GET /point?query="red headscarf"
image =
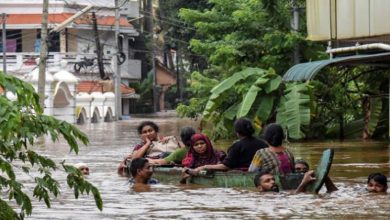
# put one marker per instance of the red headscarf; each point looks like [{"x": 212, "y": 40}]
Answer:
[{"x": 193, "y": 159}]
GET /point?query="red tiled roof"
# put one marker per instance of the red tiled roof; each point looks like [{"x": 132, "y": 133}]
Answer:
[
  {"x": 100, "y": 86},
  {"x": 61, "y": 17},
  {"x": 89, "y": 86},
  {"x": 126, "y": 90}
]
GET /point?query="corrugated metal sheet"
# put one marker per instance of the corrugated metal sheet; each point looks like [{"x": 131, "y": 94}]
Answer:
[
  {"x": 347, "y": 19},
  {"x": 307, "y": 71}
]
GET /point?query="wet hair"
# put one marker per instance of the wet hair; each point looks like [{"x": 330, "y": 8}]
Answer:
[
  {"x": 302, "y": 162},
  {"x": 261, "y": 173},
  {"x": 136, "y": 165},
  {"x": 274, "y": 134},
  {"x": 186, "y": 134},
  {"x": 147, "y": 123},
  {"x": 244, "y": 127},
  {"x": 379, "y": 178}
]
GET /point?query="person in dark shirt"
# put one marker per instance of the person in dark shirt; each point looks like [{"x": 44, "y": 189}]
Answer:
[{"x": 240, "y": 154}]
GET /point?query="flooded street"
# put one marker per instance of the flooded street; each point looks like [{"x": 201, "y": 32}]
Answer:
[{"x": 110, "y": 142}]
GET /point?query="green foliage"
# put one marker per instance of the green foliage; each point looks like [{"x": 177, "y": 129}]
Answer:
[
  {"x": 376, "y": 110},
  {"x": 237, "y": 36},
  {"x": 253, "y": 100},
  {"x": 21, "y": 124},
  {"x": 293, "y": 110},
  {"x": 240, "y": 38},
  {"x": 338, "y": 96},
  {"x": 218, "y": 91}
]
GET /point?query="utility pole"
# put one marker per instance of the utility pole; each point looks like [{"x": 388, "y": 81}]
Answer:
[
  {"x": 43, "y": 55},
  {"x": 4, "y": 37},
  {"x": 117, "y": 69},
  {"x": 150, "y": 29},
  {"x": 98, "y": 48}
]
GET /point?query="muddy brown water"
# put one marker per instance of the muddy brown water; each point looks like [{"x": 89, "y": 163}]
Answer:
[{"x": 110, "y": 142}]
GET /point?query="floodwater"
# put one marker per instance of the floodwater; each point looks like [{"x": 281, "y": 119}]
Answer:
[{"x": 110, "y": 142}]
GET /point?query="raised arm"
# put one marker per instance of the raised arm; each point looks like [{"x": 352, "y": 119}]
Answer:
[
  {"x": 142, "y": 151},
  {"x": 308, "y": 178}
]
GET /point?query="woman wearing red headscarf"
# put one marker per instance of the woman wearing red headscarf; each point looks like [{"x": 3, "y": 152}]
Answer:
[{"x": 201, "y": 152}]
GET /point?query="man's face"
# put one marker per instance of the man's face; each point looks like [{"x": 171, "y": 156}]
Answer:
[
  {"x": 146, "y": 172},
  {"x": 267, "y": 184},
  {"x": 301, "y": 168},
  {"x": 84, "y": 170},
  {"x": 376, "y": 187}
]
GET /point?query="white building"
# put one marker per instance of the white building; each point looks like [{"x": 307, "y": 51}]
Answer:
[{"x": 75, "y": 44}]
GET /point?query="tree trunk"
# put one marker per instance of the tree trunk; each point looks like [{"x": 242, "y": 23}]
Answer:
[
  {"x": 367, "y": 114},
  {"x": 43, "y": 55}
]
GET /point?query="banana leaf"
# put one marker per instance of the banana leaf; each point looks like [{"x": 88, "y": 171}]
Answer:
[
  {"x": 250, "y": 97},
  {"x": 231, "y": 112},
  {"x": 376, "y": 110},
  {"x": 265, "y": 107},
  {"x": 294, "y": 111},
  {"x": 273, "y": 84},
  {"x": 227, "y": 84},
  {"x": 263, "y": 83}
]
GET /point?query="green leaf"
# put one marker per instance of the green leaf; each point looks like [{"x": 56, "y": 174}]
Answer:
[
  {"x": 229, "y": 82},
  {"x": 21, "y": 125},
  {"x": 273, "y": 84},
  {"x": 265, "y": 108},
  {"x": 294, "y": 110},
  {"x": 250, "y": 97},
  {"x": 231, "y": 112},
  {"x": 376, "y": 110},
  {"x": 216, "y": 92}
]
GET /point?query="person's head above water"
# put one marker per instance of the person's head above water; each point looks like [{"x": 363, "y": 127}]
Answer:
[
  {"x": 186, "y": 134},
  {"x": 141, "y": 170},
  {"x": 377, "y": 182},
  {"x": 244, "y": 127},
  {"x": 265, "y": 182},
  {"x": 83, "y": 167},
  {"x": 301, "y": 166},
  {"x": 274, "y": 134},
  {"x": 148, "y": 129}
]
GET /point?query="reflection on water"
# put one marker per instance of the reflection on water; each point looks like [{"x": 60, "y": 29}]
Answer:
[{"x": 110, "y": 142}]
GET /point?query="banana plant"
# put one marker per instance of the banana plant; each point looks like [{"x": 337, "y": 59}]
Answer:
[
  {"x": 256, "y": 96},
  {"x": 218, "y": 91},
  {"x": 294, "y": 109}
]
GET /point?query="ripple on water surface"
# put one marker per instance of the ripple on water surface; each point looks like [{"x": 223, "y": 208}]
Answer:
[{"x": 110, "y": 142}]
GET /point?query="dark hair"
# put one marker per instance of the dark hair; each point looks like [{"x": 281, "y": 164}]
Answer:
[
  {"x": 302, "y": 162},
  {"x": 136, "y": 165},
  {"x": 147, "y": 123},
  {"x": 186, "y": 134},
  {"x": 259, "y": 175},
  {"x": 379, "y": 178},
  {"x": 244, "y": 127},
  {"x": 274, "y": 134}
]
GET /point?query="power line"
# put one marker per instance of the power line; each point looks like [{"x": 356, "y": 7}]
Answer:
[{"x": 163, "y": 20}]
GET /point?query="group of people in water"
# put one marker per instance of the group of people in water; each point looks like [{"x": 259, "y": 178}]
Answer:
[{"x": 266, "y": 156}]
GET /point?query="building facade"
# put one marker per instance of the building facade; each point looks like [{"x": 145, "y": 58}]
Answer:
[{"x": 72, "y": 50}]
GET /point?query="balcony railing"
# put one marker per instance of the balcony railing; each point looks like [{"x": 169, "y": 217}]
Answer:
[{"x": 78, "y": 63}]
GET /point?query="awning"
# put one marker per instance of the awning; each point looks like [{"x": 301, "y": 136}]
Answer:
[{"x": 307, "y": 71}]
